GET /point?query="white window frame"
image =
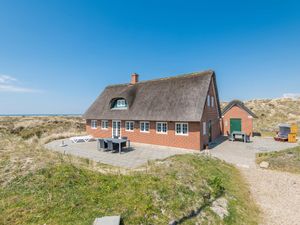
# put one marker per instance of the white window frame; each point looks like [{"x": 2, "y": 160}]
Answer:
[
  {"x": 128, "y": 130},
  {"x": 181, "y": 129},
  {"x": 212, "y": 101},
  {"x": 144, "y": 131},
  {"x": 208, "y": 100},
  {"x": 112, "y": 127},
  {"x": 102, "y": 124},
  {"x": 204, "y": 128},
  {"x": 121, "y": 103},
  {"x": 161, "y": 124},
  {"x": 94, "y": 124}
]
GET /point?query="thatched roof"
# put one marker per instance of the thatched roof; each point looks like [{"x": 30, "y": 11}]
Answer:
[
  {"x": 239, "y": 104},
  {"x": 179, "y": 98}
]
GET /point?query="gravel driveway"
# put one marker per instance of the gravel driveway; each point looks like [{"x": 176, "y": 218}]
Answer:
[{"x": 276, "y": 193}]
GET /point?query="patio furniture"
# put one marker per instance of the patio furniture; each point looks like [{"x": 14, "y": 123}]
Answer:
[
  {"x": 110, "y": 145},
  {"x": 238, "y": 133},
  {"x": 81, "y": 138},
  {"x": 248, "y": 138},
  {"x": 115, "y": 141},
  {"x": 101, "y": 144},
  {"x": 124, "y": 143},
  {"x": 230, "y": 138}
]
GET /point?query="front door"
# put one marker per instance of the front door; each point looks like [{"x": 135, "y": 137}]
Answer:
[
  {"x": 235, "y": 125},
  {"x": 116, "y": 128}
]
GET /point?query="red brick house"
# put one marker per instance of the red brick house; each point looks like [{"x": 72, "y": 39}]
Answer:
[
  {"x": 237, "y": 117},
  {"x": 181, "y": 111}
]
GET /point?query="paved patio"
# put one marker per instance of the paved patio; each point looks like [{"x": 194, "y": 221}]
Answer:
[
  {"x": 135, "y": 156},
  {"x": 243, "y": 154}
]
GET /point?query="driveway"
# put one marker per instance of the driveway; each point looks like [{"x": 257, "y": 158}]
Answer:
[
  {"x": 243, "y": 154},
  {"x": 137, "y": 155},
  {"x": 276, "y": 193}
]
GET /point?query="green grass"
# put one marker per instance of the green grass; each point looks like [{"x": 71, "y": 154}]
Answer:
[
  {"x": 287, "y": 160},
  {"x": 69, "y": 194}
]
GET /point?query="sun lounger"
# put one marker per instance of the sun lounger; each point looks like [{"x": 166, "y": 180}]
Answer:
[{"x": 81, "y": 138}]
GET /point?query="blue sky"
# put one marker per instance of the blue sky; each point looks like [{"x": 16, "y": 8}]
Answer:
[{"x": 57, "y": 56}]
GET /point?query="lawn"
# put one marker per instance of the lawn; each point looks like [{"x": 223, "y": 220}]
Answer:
[
  {"x": 168, "y": 190},
  {"x": 41, "y": 187},
  {"x": 287, "y": 160}
]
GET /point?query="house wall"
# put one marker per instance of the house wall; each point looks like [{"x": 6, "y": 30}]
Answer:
[
  {"x": 210, "y": 114},
  {"x": 190, "y": 141},
  {"x": 238, "y": 113},
  {"x": 194, "y": 140}
]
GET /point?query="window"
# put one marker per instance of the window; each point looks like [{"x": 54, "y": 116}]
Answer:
[
  {"x": 204, "y": 128},
  {"x": 144, "y": 126},
  {"x": 182, "y": 129},
  {"x": 94, "y": 124},
  {"x": 119, "y": 104},
  {"x": 208, "y": 100},
  {"x": 129, "y": 125},
  {"x": 104, "y": 124},
  {"x": 212, "y": 101},
  {"x": 161, "y": 127}
]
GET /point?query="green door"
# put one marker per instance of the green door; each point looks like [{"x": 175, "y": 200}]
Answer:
[{"x": 235, "y": 125}]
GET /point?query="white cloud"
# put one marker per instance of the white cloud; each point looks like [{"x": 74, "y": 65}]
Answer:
[
  {"x": 8, "y": 84},
  {"x": 291, "y": 95},
  {"x": 4, "y": 79}
]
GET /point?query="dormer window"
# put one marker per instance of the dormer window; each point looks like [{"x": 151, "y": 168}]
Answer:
[{"x": 119, "y": 104}]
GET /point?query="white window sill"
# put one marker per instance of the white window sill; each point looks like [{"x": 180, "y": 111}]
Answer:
[
  {"x": 181, "y": 134},
  {"x": 161, "y": 132},
  {"x": 145, "y": 131},
  {"x": 119, "y": 108},
  {"x": 129, "y": 130}
]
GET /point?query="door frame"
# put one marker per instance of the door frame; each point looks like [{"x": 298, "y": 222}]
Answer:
[{"x": 112, "y": 127}]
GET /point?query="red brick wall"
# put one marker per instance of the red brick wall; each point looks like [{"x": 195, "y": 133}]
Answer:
[
  {"x": 190, "y": 141},
  {"x": 210, "y": 114},
  {"x": 238, "y": 113}
]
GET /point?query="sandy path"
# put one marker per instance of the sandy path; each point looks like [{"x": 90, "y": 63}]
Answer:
[{"x": 277, "y": 194}]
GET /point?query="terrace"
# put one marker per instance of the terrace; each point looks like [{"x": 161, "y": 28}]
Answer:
[{"x": 135, "y": 156}]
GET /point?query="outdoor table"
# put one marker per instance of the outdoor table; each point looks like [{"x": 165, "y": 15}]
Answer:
[
  {"x": 117, "y": 141},
  {"x": 239, "y": 133}
]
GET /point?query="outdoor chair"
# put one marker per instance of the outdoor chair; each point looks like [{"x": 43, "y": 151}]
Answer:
[
  {"x": 248, "y": 137},
  {"x": 98, "y": 144},
  {"x": 110, "y": 145},
  {"x": 102, "y": 144},
  {"x": 230, "y": 138},
  {"x": 125, "y": 143}
]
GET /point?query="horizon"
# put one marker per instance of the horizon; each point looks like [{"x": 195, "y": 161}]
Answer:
[{"x": 56, "y": 57}]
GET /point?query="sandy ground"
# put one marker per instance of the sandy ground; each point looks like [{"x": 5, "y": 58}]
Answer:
[{"x": 276, "y": 193}]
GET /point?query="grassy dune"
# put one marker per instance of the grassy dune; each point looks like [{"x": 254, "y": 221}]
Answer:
[
  {"x": 287, "y": 160},
  {"x": 38, "y": 186}
]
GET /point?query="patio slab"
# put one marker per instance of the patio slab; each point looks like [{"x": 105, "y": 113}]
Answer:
[
  {"x": 137, "y": 155},
  {"x": 243, "y": 154}
]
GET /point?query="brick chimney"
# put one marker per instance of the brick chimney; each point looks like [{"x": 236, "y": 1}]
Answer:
[{"x": 134, "y": 78}]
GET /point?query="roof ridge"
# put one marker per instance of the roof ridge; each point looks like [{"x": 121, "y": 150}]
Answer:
[{"x": 186, "y": 75}]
